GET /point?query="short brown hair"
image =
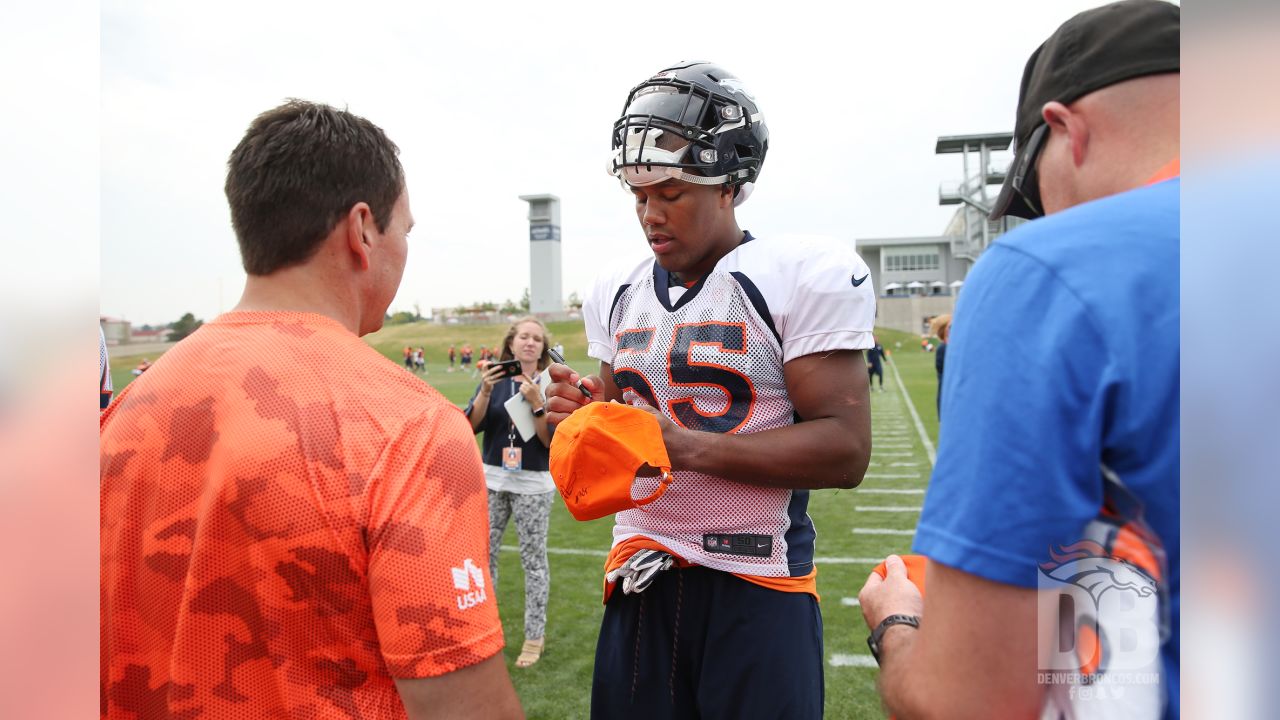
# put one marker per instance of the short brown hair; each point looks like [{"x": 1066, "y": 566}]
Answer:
[{"x": 299, "y": 169}]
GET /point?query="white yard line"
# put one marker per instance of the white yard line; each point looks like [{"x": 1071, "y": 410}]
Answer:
[
  {"x": 862, "y": 661},
  {"x": 564, "y": 551},
  {"x": 882, "y": 531},
  {"x": 850, "y": 602},
  {"x": 875, "y": 453},
  {"x": 890, "y": 476},
  {"x": 915, "y": 417}
]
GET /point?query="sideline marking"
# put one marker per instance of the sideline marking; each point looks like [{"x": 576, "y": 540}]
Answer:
[
  {"x": 850, "y": 602},
  {"x": 915, "y": 417},
  {"x": 883, "y": 476},
  {"x": 564, "y": 551},
  {"x": 862, "y": 661}
]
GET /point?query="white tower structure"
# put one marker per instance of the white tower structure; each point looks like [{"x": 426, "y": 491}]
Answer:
[
  {"x": 545, "y": 295},
  {"x": 976, "y": 231}
]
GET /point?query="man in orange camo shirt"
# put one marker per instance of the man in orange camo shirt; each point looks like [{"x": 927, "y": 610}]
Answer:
[{"x": 292, "y": 526}]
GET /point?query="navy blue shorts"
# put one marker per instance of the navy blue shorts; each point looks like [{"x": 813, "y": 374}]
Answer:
[{"x": 701, "y": 643}]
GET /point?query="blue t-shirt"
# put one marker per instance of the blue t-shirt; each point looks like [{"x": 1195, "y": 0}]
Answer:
[{"x": 1064, "y": 355}]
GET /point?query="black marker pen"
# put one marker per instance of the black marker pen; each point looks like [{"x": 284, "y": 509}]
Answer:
[{"x": 560, "y": 359}]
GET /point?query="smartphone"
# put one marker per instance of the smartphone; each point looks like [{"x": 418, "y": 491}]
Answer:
[{"x": 507, "y": 368}]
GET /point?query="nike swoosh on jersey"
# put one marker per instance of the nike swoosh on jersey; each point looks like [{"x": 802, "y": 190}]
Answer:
[{"x": 858, "y": 281}]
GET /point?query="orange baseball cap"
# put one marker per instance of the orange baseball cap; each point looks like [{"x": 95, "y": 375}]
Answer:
[
  {"x": 915, "y": 570},
  {"x": 596, "y": 453}
]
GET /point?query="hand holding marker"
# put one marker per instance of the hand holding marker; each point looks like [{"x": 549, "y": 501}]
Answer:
[{"x": 560, "y": 359}]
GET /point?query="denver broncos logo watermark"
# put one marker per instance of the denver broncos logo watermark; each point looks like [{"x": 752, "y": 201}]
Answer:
[
  {"x": 1100, "y": 630},
  {"x": 1089, "y": 566}
]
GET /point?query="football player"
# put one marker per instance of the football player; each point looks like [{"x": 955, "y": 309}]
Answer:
[{"x": 749, "y": 353}]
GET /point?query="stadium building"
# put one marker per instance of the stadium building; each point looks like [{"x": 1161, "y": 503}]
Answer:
[
  {"x": 918, "y": 278},
  {"x": 115, "y": 330}
]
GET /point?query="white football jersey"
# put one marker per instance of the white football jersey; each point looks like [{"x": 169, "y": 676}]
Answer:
[{"x": 710, "y": 357}]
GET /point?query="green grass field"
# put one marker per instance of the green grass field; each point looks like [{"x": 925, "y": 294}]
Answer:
[{"x": 851, "y": 526}]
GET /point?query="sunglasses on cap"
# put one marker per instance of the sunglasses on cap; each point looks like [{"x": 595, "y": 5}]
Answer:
[{"x": 1026, "y": 181}]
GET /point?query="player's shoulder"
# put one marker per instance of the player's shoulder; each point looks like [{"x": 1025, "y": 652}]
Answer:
[
  {"x": 782, "y": 267},
  {"x": 616, "y": 276},
  {"x": 798, "y": 254}
]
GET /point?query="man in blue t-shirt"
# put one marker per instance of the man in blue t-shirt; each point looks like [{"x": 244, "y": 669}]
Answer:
[{"x": 1051, "y": 521}]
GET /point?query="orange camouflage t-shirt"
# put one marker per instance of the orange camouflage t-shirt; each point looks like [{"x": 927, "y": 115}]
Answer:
[{"x": 289, "y": 521}]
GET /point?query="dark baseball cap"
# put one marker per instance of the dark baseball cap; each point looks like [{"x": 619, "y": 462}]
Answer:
[{"x": 1095, "y": 49}]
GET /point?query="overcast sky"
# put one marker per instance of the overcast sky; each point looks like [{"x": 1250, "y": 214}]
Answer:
[{"x": 489, "y": 101}]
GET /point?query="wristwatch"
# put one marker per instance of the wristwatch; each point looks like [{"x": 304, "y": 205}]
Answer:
[
  {"x": 873, "y": 640},
  {"x": 540, "y": 412}
]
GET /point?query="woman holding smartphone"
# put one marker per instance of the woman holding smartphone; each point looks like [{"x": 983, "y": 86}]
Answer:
[{"x": 516, "y": 470}]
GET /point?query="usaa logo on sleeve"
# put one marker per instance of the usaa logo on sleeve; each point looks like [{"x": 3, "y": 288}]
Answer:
[{"x": 463, "y": 579}]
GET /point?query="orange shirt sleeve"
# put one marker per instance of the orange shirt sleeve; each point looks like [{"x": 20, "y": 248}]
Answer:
[{"x": 428, "y": 541}]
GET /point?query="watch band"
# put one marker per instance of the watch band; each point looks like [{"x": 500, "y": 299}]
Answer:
[
  {"x": 873, "y": 640},
  {"x": 540, "y": 412}
]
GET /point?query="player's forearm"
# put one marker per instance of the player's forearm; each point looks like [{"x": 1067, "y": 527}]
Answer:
[{"x": 820, "y": 453}]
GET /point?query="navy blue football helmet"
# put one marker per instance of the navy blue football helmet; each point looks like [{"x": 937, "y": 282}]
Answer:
[{"x": 694, "y": 122}]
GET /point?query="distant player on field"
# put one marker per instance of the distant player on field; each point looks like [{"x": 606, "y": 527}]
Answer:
[
  {"x": 722, "y": 336},
  {"x": 875, "y": 363}
]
